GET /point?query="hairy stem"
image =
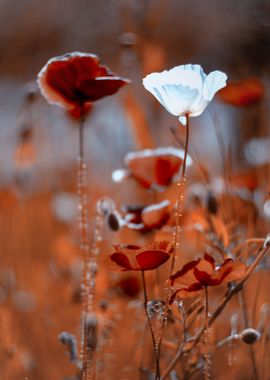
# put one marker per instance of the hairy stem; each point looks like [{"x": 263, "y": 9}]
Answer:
[
  {"x": 179, "y": 201},
  {"x": 207, "y": 361},
  {"x": 157, "y": 375}
]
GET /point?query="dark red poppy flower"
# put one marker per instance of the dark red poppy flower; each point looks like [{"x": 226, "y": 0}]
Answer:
[
  {"x": 147, "y": 218},
  {"x": 133, "y": 257},
  {"x": 198, "y": 274},
  {"x": 129, "y": 286},
  {"x": 74, "y": 79},
  {"x": 152, "y": 168},
  {"x": 242, "y": 93}
]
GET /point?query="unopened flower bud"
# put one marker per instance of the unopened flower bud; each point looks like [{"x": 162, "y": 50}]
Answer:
[
  {"x": 250, "y": 336},
  {"x": 113, "y": 221},
  {"x": 211, "y": 203}
]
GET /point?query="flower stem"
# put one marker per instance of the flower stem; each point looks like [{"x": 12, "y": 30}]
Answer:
[
  {"x": 207, "y": 361},
  {"x": 176, "y": 234},
  {"x": 180, "y": 198},
  {"x": 84, "y": 248},
  {"x": 157, "y": 375}
]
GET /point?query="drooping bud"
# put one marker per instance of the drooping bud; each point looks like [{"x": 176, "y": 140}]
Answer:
[{"x": 250, "y": 336}]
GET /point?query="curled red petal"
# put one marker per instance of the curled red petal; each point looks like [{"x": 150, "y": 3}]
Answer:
[
  {"x": 186, "y": 273},
  {"x": 231, "y": 271},
  {"x": 205, "y": 278},
  {"x": 188, "y": 291},
  {"x": 121, "y": 260},
  {"x": 210, "y": 259}
]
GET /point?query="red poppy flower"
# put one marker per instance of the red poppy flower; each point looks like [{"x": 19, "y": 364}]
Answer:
[
  {"x": 74, "y": 79},
  {"x": 152, "y": 168},
  {"x": 129, "y": 286},
  {"x": 242, "y": 93},
  {"x": 133, "y": 257},
  {"x": 198, "y": 274},
  {"x": 147, "y": 218}
]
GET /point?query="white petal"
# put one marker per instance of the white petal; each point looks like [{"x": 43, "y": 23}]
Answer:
[
  {"x": 213, "y": 82},
  {"x": 178, "y": 98},
  {"x": 183, "y": 120},
  {"x": 187, "y": 75},
  {"x": 199, "y": 107}
]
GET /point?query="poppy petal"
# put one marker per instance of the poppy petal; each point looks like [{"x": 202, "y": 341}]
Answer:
[
  {"x": 242, "y": 93},
  {"x": 122, "y": 260},
  {"x": 95, "y": 89},
  {"x": 154, "y": 216},
  {"x": 185, "y": 276},
  {"x": 151, "y": 259},
  {"x": 189, "y": 291}
]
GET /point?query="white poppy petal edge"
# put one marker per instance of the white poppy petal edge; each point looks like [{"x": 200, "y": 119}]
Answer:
[{"x": 184, "y": 89}]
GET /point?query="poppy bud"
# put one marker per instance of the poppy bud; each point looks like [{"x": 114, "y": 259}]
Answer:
[
  {"x": 113, "y": 221},
  {"x": 250, "y": 336},
  {"x": 266, "y": 243},
  {"x": 69, "y": 340},
  {"x": 90, "y": 325},
  {"x": 155, "y": 307},
  {"x": 211, "y": 203}
]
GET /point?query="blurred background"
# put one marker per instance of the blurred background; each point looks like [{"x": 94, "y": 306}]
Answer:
[{"x": 40, "y": 265}]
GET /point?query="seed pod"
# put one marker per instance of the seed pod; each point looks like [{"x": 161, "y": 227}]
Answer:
[
  {"x": 113, "y": 221},
  {"x": 211, "y": 203},
  {"x": 90, "y": 328},
  {"x": 250, "y": 336}
]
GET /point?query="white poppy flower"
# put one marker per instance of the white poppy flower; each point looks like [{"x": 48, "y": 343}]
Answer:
[{"x": 185, "y": 89}]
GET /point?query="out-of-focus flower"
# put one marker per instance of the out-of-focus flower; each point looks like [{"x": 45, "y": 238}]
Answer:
[
  {"x": 184, "y": 90},
  {"x": 152, "y": 168},
  {"x": 245, "y": 179},
  {"x": 198, "y": 274},
  {"x": 133, "y": 257},
  {"x": 129, "y": 286},
  {"x": 242, "y": 93},
  {"x": 147, "y": 218},
  {"x": 74, "y": 79}
]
